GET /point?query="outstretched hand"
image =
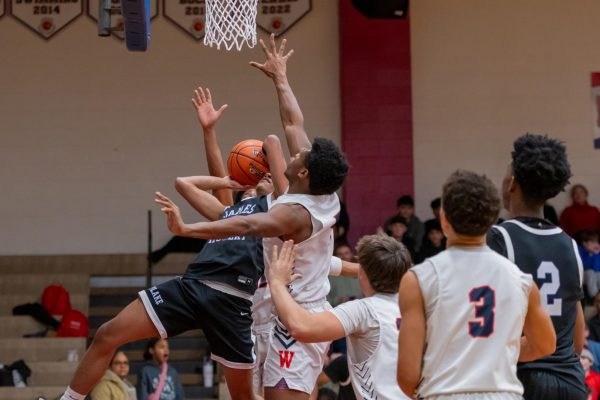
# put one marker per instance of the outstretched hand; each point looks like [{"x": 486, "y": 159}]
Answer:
[
  {"x": 207, "y": 115},
  {"x": 174, "y": 221},
  {"x": 281, "y": 270},
  {"x": 275, "y": 64}
]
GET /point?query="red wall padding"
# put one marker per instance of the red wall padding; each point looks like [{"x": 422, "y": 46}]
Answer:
[{"x": 376, "y": 116}]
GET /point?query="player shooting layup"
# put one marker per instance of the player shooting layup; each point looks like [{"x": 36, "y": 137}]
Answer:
[{"x": 305, "y": 214}]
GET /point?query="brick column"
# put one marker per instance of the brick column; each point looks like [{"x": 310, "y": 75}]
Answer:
[{"x": 376, "y": 116}]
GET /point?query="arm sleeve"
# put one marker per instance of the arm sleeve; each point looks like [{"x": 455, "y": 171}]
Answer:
[
  {"x": 495, "y": 241},
  {"x": 355, "y": 316},
  {"x": 336, "y": 266}
]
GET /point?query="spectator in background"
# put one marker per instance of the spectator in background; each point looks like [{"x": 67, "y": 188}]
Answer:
[
  {"x": 157, "y": 380},
  {"x": 405, "y": 208},
  {"x": 343, "y": 286},
  {"x": 550, "y": 214},
  {"x": 580, "y": 215},
  {"x": 593, "y": 323},
  {"x": 592, "y": 378},
  {"x": 589, "y": 250},
  {"x": 436, "y": 206},
  {"x": 397, "y": 227},
  {"x": 337, "y": 372},
  {"x": 114, "y": 384},
  {"x": 434, "y": 241},
  {"x": 342, "y": 224}
]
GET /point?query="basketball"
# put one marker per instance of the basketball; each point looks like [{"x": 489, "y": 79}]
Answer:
[{"x": 247, "y": 163}]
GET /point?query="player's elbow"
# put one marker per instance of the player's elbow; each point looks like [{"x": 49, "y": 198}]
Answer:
[
  {"x": 548, "y": 346},
  {"x": 297, "y": 330},
  {"x": 271, "y": 141},
  {"x": 408, "y": 386},
  {"x": 181, "y": 184}
]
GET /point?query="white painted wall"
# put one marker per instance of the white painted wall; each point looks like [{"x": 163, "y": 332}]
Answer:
[
  {"x": 486, "y": 71},
  {"x": 89, "y": 131}
]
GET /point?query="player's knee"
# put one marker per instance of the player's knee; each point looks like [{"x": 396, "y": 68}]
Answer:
[{"x": 106, "y": 336}]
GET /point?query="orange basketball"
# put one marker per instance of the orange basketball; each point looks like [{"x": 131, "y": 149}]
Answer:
[{"x": 247, "y": 163}]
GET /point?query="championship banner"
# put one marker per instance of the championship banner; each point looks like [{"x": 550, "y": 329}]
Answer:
[
  {"x": 188, "y": 15},
  {"x": 596, "y": 100},
  {"x": 277, "y": 16},
  {"x": 116, "y": 19},
  {"x": 47, "y": 17}
]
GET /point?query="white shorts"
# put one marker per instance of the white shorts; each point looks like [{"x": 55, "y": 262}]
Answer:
[
  {"x": 293, "y": 365},
  {"x": 261, "y": 335}
]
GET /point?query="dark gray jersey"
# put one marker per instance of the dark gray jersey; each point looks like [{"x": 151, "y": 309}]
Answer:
[{"x": 547, "y": 253}]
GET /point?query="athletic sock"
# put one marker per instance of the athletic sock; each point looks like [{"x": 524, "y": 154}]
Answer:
[{"x": 70, "y": 394}]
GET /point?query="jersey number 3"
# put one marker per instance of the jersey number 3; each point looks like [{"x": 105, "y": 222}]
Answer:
[{"x": 484, "y": 298}]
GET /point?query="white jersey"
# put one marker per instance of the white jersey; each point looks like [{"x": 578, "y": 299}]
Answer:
[
  {"x": 371, "y": 326},
  {"x": 475, "y": 305},
  {"x": 313, "y": 255}
]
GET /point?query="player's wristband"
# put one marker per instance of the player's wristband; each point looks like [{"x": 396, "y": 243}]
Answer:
[{"x": 336, "y": 266}]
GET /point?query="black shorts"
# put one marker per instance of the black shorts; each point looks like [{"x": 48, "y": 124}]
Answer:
[
  {"x": 181, "y": 304},
  {"x": 543, "y": 385}
]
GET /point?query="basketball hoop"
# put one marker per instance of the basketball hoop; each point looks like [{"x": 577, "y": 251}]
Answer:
[{"x": 230, "y": 23}]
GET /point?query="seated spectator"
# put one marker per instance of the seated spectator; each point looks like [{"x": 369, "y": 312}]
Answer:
[
  {"x": 344, "y": 251},
  {"x": 343, "y": 286},
  {"x": 342, "y": 224},
  {"x": 397, "y": 227},
  {"x": 157, "y": 380},
  {"x": 436, "y": 206},
  {"x": 405, "y": 208},
  {"x": 589, "y": 250},
  {"x": 336, "y": 371},
  {"x": 434, "y": 242},
  {"x": 114, "y": 384},
  {"x": 580, "y": 215},
  {"x": 592, "y": 378},
  {"x": 593, "y": 323}
]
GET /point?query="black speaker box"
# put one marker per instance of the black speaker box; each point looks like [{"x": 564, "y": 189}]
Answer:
[{"x": 382, "y": 8}]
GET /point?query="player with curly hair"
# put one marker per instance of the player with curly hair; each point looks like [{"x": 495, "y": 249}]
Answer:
[
  {"x": 305, "y": 214},
  {"x": 539, "y": 170},
  {"x": 465, "y": 309}
]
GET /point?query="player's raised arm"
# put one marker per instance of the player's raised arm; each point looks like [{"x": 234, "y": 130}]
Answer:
[
  {"x": 300, "y": 323},
  {"x": 281, "y": 220},
  {"x": 277, "y": 165},
  {"x": 411, "y": 340},
  {"x": 275, "y": 67},
  {"x": 540, "y": 338},
  {"x": 208, "y": 117}
]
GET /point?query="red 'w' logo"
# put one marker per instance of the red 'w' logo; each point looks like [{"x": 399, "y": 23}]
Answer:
[{"x": 285, "y": 358}]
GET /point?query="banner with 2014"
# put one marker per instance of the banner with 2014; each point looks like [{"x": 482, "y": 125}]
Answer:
[{"x": 48, "y": 17}]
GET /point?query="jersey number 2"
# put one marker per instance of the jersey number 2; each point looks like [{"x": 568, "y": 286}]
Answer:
[
  {"x": 484, "y": 298},
  {"x": 547, "y": 270}
]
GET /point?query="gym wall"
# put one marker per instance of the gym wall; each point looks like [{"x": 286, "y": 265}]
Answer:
[
  {"x": 90, "y": 132},
  {"x": 484, "y": 72}
]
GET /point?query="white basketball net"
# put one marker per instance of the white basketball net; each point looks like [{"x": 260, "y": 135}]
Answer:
[{"x": 230, "y": 23}]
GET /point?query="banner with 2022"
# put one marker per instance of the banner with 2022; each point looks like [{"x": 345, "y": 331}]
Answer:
[{"x": 48, "y": 17}]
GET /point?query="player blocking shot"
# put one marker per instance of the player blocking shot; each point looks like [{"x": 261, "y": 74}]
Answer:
[
  {"x": 538, "y": 171},
  {"x": 305, "y": 213},
  {"x": 465, "y": 309}
]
